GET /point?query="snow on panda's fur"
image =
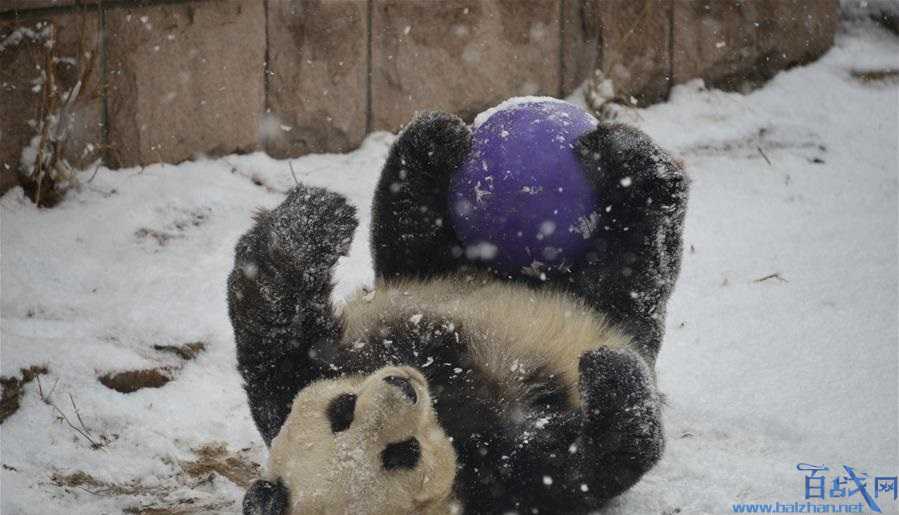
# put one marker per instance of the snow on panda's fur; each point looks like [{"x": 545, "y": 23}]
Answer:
[
  {"x": 447, "y": 388},
  {"x": 506, "y": 325},
  {"x": 389, "y": 456}
]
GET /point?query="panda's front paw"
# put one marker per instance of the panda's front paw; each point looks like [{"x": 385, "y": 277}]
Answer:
[
  {"x": 266, "y": 498},
  {"x": 310, "y": 230},
  {"x": 433, "y": 143},
  {"x": 629, "y": 170}
]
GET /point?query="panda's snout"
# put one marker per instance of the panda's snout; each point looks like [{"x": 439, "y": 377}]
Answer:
[{"x": 404, "y": 385}]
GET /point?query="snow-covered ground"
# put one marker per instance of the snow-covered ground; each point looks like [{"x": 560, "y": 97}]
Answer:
[{"x": 797, "y": 179}]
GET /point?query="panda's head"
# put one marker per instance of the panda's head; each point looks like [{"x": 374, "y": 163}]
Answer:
[{"x": 364, "y": 444}]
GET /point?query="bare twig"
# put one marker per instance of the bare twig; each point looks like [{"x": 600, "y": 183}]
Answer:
[
  {"x": 51, "y": 173},
  {"x": 292, "y": 173},
  {"x": 78, "y": 414},
  {"x": 775, "y": 275},
  {"x": 82, "y": 430},
  {"x": 762, "y": 152},
  {"x": 45, "y": 398},
  {"x": 53, "y": 389},
  {"x": 96, "y": 169},
  {"x": 94, "y": 444},
  {"x": 48, "y": 106},
  {"x": 40, "y": 389}
]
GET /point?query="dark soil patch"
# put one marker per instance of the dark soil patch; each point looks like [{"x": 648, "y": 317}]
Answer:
[
  {"x": 134, "y": 380},
  {"x": 14, "y": 388}
]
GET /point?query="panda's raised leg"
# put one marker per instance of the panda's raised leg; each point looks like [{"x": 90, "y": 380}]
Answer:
[
  {"x": 411, "y": 232},
  {"x": 611, "y": 440},
  {"x": 621, "y": 433},
  {"x": 630, "y": 270},
  {"x": 279, "y": 298}
]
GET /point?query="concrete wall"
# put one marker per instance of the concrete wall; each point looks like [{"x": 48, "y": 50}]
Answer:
[{"x": 174, "y": 79}]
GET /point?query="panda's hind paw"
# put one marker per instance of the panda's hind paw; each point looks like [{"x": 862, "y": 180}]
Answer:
[
  {"x": 622, "y": 430},
  {"x": 616, "y": 381}
]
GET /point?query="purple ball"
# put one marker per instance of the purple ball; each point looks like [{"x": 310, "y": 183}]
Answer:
[{"x": 521, "y": 201}]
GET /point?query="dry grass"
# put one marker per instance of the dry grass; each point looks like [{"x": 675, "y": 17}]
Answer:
[
  {"x": 182, "y": 507},
  {"x": 876, "y": 76},
  {"x": 216, "y": 458},
  {"x": 180, "y": 494}
]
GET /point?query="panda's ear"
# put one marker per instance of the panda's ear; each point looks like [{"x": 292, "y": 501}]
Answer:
[{"x": 266, "y": 498}]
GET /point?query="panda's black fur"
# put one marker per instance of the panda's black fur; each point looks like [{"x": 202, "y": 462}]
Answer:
[{"x": 585, "y": 451}]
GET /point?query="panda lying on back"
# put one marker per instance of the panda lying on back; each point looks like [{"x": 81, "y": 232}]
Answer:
[{"x": 449, "y": 389}]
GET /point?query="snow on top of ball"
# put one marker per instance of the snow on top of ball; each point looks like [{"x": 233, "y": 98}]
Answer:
[{"x": 512, "y": 102}]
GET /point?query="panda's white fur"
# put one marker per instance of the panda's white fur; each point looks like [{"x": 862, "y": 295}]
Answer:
[
  {"x": 513, "y": 329},
  {"x": 341, "y": 473}
]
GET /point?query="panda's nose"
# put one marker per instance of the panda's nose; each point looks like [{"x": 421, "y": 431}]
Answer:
[{"x": 405, "y": 386}]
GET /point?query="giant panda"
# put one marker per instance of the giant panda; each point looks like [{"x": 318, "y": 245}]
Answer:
[{"x": 450, "y": 387}]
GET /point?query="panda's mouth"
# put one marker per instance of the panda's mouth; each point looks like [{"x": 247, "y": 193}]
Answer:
[{"x": 404, "y": 385}]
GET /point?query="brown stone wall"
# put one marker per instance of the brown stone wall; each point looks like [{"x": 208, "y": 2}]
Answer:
[
  {"x": 185, "y": 79},
  {"x": 731, "y": 43},
  {"x": 220, "y": 76},
  {"x": 318, "y": 75},
  {"x": 792, "y": 32},
  {"x": 635, "y": 52},
  {"x": 460, "y": 56},
  {"x": 580, "y": 42}
]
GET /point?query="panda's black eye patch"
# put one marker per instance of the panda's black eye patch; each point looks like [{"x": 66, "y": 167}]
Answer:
[
  {"x": 401, "y": 455},
  {"x": 340, "y": 412}
]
